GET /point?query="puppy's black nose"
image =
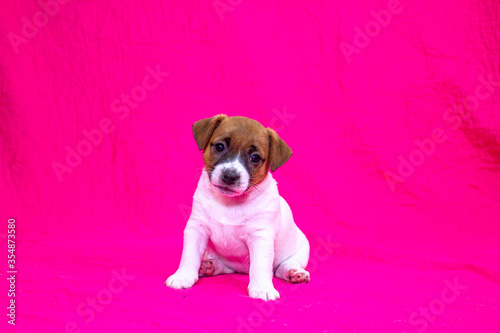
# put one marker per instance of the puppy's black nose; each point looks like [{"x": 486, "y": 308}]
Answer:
[{"x": 230, "y": 176}]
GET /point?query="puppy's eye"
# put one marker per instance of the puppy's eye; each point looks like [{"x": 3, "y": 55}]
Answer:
[
  {"x": 219, "y": 147},
  {"x": 255, "y": 158}
]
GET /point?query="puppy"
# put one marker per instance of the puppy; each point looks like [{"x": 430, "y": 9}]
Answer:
[{"x": 239, "y": 222}]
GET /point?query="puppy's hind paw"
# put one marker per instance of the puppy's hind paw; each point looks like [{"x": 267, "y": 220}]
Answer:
[
  {"x": 181, "y": 280},
  {"x": 298, "y": 275},
  {"x": 207, "y": 268}
]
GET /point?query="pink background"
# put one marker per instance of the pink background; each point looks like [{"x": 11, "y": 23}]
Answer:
[{"x": 386, "y": 243}]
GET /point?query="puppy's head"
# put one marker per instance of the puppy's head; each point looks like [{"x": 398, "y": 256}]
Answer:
[{"x": 238, "y": 152}]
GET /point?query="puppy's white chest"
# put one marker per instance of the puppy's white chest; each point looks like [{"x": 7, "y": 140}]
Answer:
[
  {"x": 228, "y": 240},
  {"x": 226, "y": 217},
  {"x": 230, "y": 224}
]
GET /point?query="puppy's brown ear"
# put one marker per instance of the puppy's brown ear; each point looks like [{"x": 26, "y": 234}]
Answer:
[
  {"x": 279, "y": 152},
  {"x": 203, "y": 129}
]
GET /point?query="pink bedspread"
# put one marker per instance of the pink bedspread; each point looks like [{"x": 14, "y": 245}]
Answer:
[{"x": 391, "y": 109}]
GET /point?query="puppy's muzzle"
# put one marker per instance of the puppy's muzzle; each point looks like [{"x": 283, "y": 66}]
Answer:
[{"x": 230, "y": 176}]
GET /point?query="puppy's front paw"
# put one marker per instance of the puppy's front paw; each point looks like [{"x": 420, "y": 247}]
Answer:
[
  {"x": 181, "y": 280},
  {"x": 266, "y": 292}
]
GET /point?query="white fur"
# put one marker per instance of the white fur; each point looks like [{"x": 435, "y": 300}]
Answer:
[
  {"x": 252, "y": 233},
  {"x": 242, "y": 183}
]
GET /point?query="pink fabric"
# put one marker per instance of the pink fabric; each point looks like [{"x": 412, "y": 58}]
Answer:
[{"x": 391, "y": 110}]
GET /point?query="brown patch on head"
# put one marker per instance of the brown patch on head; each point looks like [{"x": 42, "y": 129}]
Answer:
[{"x": 225, "y": 138}]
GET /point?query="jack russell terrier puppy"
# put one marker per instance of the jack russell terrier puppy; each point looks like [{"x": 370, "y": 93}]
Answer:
[{"x": 239, "y": 222}]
